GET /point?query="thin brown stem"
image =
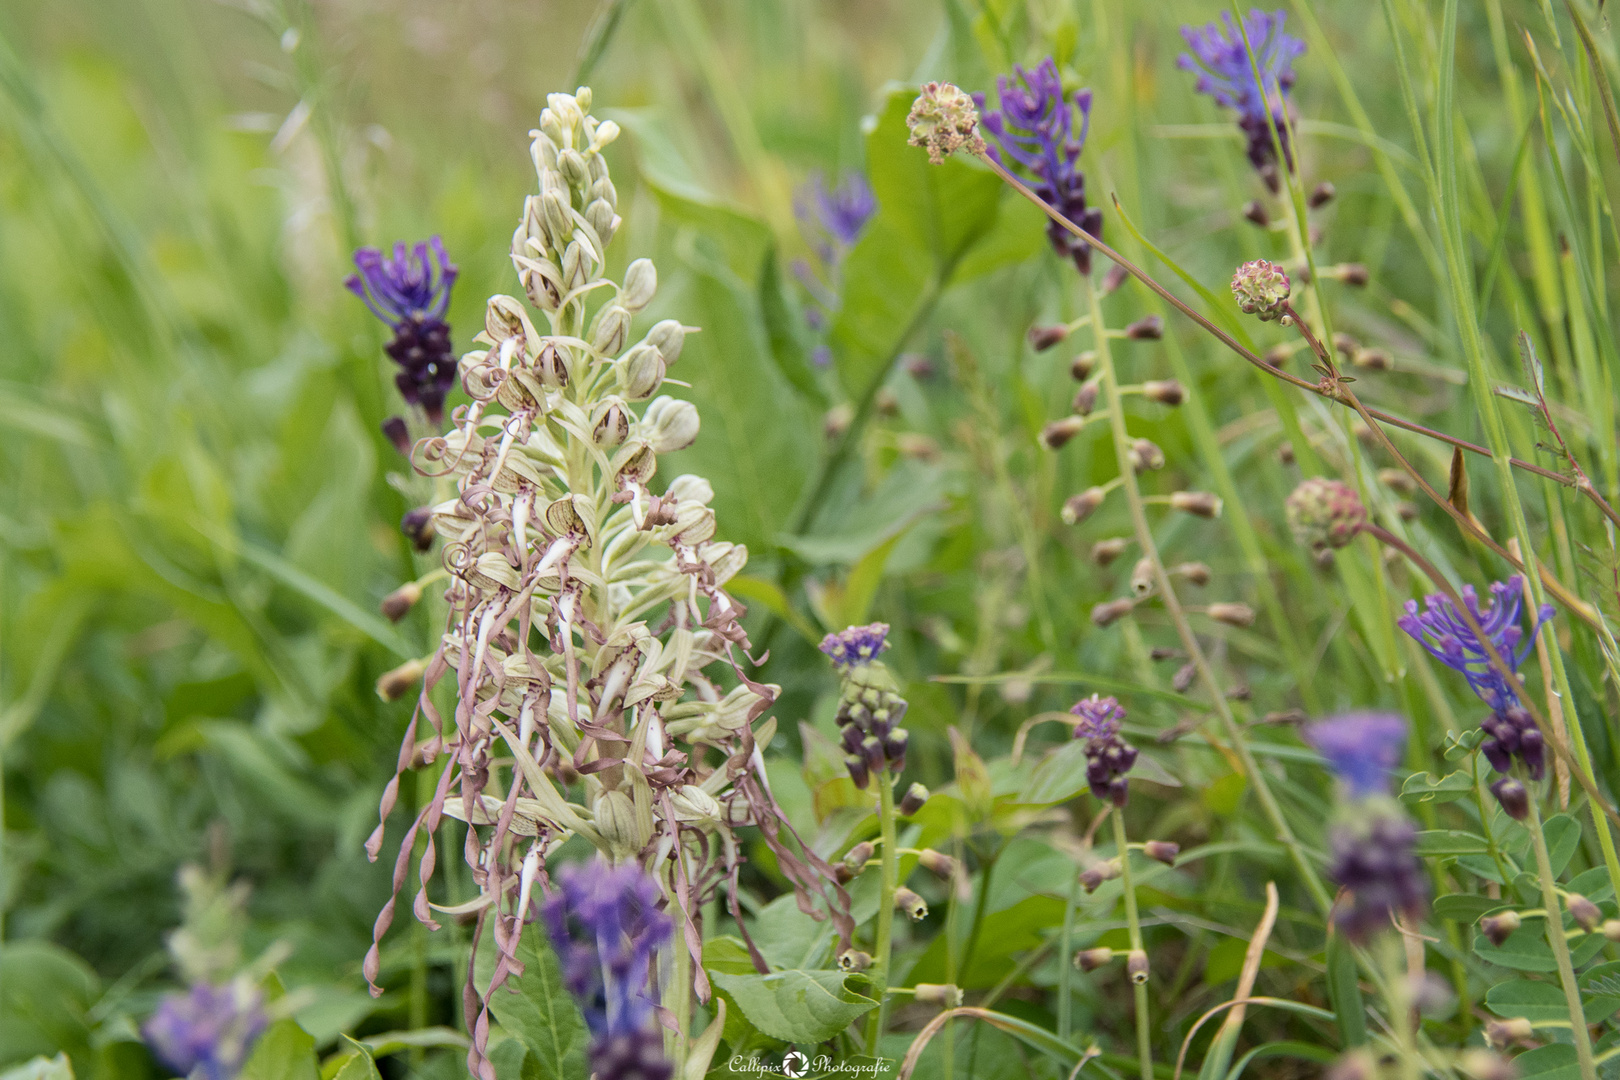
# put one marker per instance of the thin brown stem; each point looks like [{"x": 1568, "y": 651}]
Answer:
[{"x": 1294, "y": 380}]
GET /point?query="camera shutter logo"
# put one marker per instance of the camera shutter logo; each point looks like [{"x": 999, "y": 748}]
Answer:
[{"x": 795, "y": 1064}]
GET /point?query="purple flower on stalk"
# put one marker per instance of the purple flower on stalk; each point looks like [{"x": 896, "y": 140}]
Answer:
[
  {"x": 1442, "y": 631},
  {"x": 857, "y": 645},
  {"x": 605, "y": 926},
  {"x": 411, "y": 294},
  {"x": 831, "y": 219},
  {"x": 1227, "y": 74},
  {"x": 1108, "y": 757},
  {"x": 1035, "y": 128},
  {"x": 1361, "y": 749},
  {"x": 1375, "y": 864},
  {"x": 208, "y": 1030}
]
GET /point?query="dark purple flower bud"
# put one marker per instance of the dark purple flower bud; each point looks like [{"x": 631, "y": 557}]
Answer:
[
  {"x": 1514, "y": 797},
  {"x": 411, "y": 294},
  {"x": 1057, "y": 433},
  {"x": 1255, "y": 211},
  {"x": 1085, "y": 399},
  {"x": 1164, "y": 391},
  {"x": 395, "y": 429},
  {"x": 1361, "y": 749},
  {"x": 1585, "y": 913},
  {"x": 605, "y": 926},
  {"x": 916, "y": 795},
  {"x": 1321, "y": 195},
  {"x": 1092, "y": 959},
  {"x": 1162, "y": 850},
  {"x": 910, "y": 905},
  {"x": 1104, "y": 552},
  {"x": 1375, "y": 864},
  {"x": 210, "y": 1029},
  {"x": 399, "y": 602},
  {"x": 1442, "y": 631},
  {"x": 1035, "y": 128},
  {"x": 1108, "y": 757},
  {"x": 1111, "y": 611},
  {"x": 417, "y": 525},
  {"x": 1147, "y": 328},
  {"x": 1226, "y": 73},
  {"x": 1081, "y": 367},
  {"x": 1498, "y": 928},
  {"x": 1042, "y": 338},
  {"x": 1076, "y": 508}
]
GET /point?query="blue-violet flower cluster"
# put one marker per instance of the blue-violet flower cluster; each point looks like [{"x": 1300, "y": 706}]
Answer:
[
  {"x": 207, "y": 1031},
  {"x": 605, "y": 926},
  {"x": 1108, "y": 757},
  {"x": 411, "y": 292},
  {"x": 1374, "y": 860},
  {"x": 1227, "y": 74},
  {"x": 870, "y": 707},
  {"x": 831, "y": 219},
  {"x": 1035, "y": 127},
  {"x": 1510, "y": 731}
]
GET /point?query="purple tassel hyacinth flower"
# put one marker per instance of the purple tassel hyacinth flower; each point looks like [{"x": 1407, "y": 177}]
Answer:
[
  {"x": 207, "y": 1031},
  {"x": 410, "y": 291},
  {"x": 1510, "y": 731},
  {"x": 605, "y": 926},
  {"x": 1226, "y": 74},
  {"x": 1108, "y": 757},
  {"x": 1375, "y": 865},
  {"x": 870, "y": 707},
  {"x": 831, "y": 219},
  {"x": 1035, "y": 127},
  {"x": 1373, "y": 857},
  {"x": 1361, "y": 749},
  {"x": 1442, "y": 631}
]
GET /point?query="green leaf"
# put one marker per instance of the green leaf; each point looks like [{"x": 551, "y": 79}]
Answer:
[
  {"x": 796, "y": 1006},
  {"x": 1426, "y": 787},
  {"x": 360, "y": 1066},
  {"x": 543, "y": 1014},
  {"x": 1449, "y": 842},
  {"x": 1555, "y": 1061},
  {"x": 1303, "y": 1051},
  {"x": 45, "y": 992},
  {"x": 1344, "y": 991},
  {"x": 284, "y": 1052},
  {"x": 1059, "y": 777},
  {"x": 1525, "y": 949},
  {"x": 928, "y": 217},
  {"x": 1535, "y": 1001},
  {"x": 1563, "y": 835},
  {"x": 1600, "y": 991},
  {"x": 1464, "y": 907}
]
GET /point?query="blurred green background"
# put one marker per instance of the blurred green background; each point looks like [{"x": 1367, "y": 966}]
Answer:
[{"x": 196, "y": 516}]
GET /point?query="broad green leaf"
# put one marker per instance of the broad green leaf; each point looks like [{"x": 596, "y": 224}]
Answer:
[
  {"x": 758, "y": 437},
  {"x": 360, "y": 1066},
  {"x": 1060, "y": 776},
  {"x": 1427, "y": 787},
  {"x": 1449, "y": 842},
  {"x": 45, "y": 992},
  {"x": 1535, "y": 1001},
  {"x": 1344, "y": 991},
  {"x": 538, "y": 1009},
  {"x": 284, "y": 1052},
  {"x": 1463, "y": 907},
  {"x": 1563, "y": 835},
  {"x": 1321, "y": 1055},
  {"x": 928, "y": 217},
  {"x": 1555, "y": 1061},
  {"x": 1525, "y": 949},
  {"x": 796, "y": 1006}
]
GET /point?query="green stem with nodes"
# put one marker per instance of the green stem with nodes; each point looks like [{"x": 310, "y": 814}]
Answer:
[
  {"x": 1167, "y": 593},
  {"x": 1560, "y": 946},
  {"x": 890, "y": 859},
  {"x": 1144, "y": 1034}
]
